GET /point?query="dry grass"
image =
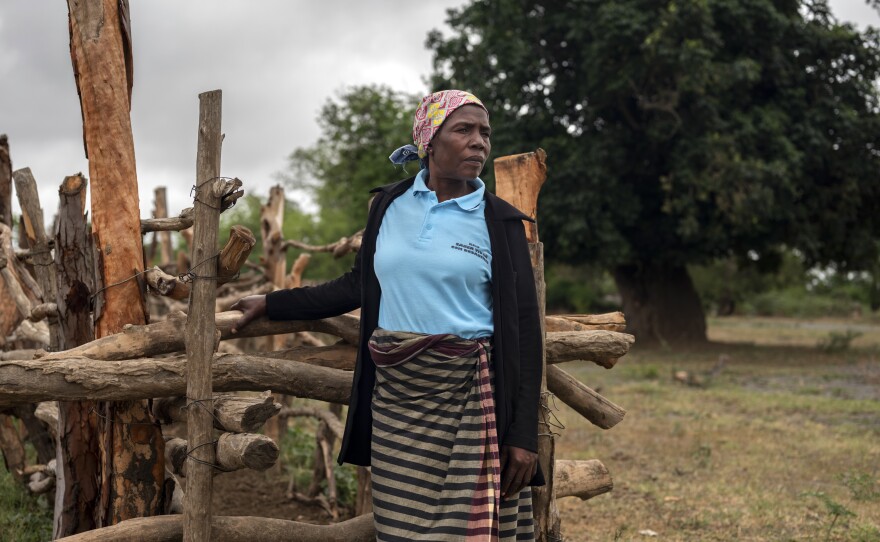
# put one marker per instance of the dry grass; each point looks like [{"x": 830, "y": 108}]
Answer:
[{"x": 782, "y": 444}]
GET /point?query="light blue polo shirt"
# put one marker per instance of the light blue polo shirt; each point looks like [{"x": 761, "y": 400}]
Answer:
[{"x": 433, "y": 261}]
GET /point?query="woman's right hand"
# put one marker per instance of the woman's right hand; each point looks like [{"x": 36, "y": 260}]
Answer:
[{"x": 251, "y": 307}]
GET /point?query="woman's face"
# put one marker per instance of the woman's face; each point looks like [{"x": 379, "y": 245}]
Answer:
[{"x": 461, "y": 147}]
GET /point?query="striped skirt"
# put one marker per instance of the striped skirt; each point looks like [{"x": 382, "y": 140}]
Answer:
[{"x": 435, "y": 458}]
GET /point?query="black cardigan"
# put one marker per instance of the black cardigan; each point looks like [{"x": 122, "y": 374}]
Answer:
[{"x": 517, "y": 341}]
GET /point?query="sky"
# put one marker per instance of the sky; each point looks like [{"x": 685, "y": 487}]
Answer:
[{"x": 276, "y": 61}]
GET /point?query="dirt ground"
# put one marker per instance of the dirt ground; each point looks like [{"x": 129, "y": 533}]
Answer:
[{"x": 249, "y": 493}]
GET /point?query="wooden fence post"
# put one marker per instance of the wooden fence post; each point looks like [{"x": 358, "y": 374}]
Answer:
[
  {"x": 78, "y": 454},
  {"x": 38, "y": 243},
  {"x": 5, "y": 182},
  {"x": 133, "y": 457},
  {"x": 200, "y": 324},
  {"x": 518, "y": 180}
]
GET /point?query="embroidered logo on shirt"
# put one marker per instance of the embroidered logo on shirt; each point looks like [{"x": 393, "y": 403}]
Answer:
[{"x": 471, "y": 248}]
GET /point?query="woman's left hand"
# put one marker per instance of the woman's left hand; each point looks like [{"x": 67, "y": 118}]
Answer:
[{"x": 518, "y": 467}]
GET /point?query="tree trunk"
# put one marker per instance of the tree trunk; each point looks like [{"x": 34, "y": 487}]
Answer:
[
  {"x": 78, "y": 453},
  {"x": 100, "y": 48},
  {"x": 661, "y": 304}
]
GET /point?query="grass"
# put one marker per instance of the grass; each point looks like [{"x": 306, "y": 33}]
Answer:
[
  {"x": 782, "y": 445},
  {"x": 23, "y": 517}
]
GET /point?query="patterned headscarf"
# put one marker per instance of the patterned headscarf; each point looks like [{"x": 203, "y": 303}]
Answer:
[{"x": 432, "y": 112}]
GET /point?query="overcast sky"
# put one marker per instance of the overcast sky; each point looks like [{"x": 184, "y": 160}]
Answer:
[{"x": 276, "y": 61}]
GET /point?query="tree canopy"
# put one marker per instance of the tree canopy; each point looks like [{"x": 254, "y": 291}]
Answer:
[{"x": 680, "y": 131}]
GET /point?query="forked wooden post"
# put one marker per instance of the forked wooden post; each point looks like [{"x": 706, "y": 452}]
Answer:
[
  {"x": 518, "y": 180},
  {"x": 200, "y": 324}
]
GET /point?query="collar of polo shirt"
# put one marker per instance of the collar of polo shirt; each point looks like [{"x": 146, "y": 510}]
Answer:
[{"x": 468, "y": 202}]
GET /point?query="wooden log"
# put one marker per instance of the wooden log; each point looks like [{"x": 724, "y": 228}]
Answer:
[
  {"x": 160, "y": 211},
  {"x": 339, "y": 248},
  {"x": 233, "y": 413},
  {"x": 175, "y": 223},
  {"x": 100, "y": 49},
  {"x": 246, "y": 451},
  {"x": 232, "y": 257},
  {"x": 518, "y": 180},
  {"x": 78, "y": 453},
  {"x": 47, "y": 412},
  {"x": 167, "y": 336},
  {"x": 27, "y": 330},
  {"x": 41, "y": 483},
  {"x": 234, "y": 451},
  {"x": 603, "y": 348},
  {"x": 38, "y": 243},
  {"x": 326, "y": 416},
  {"x": 12, "y": 279},
  {"x": 337, "y": 356},
  {"x": 294, "y": 279},
  {"x": 9, "y": 317},
  {"x": 5, "y": 182},
  {"x": 234, "y": 529},
  {"x": 12, "y": 447},
  {"x": 586, "y": 402},
  {"x": 200, "y": 325},
  {"x": 586, "y": 322},
  {"x": 44, "y": 311},
  {"x": 582, "y": 478},
  {"x": 26, "y": 353},
  {"x": 36, "y": 432},
  {"x": 77, "y": 379}
]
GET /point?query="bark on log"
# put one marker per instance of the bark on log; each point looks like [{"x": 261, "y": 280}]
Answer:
[
  {"x": 587, "y": 322},
  {"x": 8, "y": 315},
  {"x": 78, "y": 453},
  {"x": 12, "y": 447},
  {"x": 233, "y": 413},
  {"x": 234, "y": 529},
  {"x": 234, "y": 451},
  {"x": 586, "y": 402},
  {"x": 175, "y": 223},
  {"x": 339, "y": 249},
  {"x": 18, "y": 354},
  {"x": 200, "y": 326},
  {"x": 583, "y": 479},
  {"x": 601, "y": 347},
  {"x": 100, "y": 49},
  {"x": 167, "y": 336},
  {"x": 518, "y": 180},
  {"x": 38, "y": 243},
  {"x": 163, "y": 237},
  {"x": 232, "y": 257},
  {"x": 294, "y": 279},
  {"x": 47, "y": 412},
  {"x": 44, "y": 311},
  {"x": 77, "y": 379},
  {"x": 326, "y": 416},
  {"x": 246, "y": 451},
  {"x": 337, "y": 356},
  {"x": 5, "y": 182},
  {"x": 12, "y": 278}
]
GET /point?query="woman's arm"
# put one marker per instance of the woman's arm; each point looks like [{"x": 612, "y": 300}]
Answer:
[{"x": 332, "y": 298}]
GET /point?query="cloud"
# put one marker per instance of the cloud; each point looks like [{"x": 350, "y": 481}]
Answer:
[{"x": 277, "y": 62}]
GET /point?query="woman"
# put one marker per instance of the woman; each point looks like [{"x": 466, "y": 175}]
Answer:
[{"x": 444, "y": 282}]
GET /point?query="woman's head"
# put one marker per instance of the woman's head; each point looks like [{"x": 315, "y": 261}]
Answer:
[
  {"x": 434, "y": 110},
  {"x": 438, "y": 131}
]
